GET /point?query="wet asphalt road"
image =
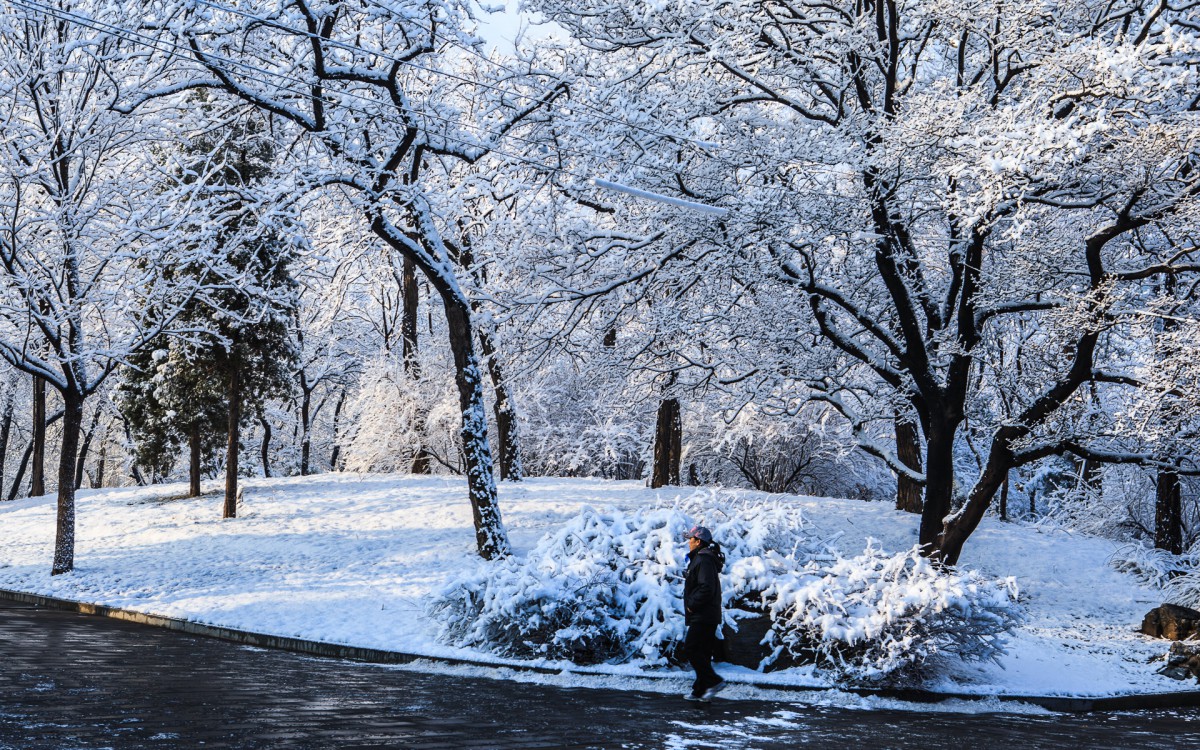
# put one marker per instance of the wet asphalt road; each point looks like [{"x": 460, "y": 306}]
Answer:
[{"x": 73, "y": 681}]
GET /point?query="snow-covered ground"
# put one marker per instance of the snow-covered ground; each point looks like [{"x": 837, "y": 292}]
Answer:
[{"x": 354, "y": 559}]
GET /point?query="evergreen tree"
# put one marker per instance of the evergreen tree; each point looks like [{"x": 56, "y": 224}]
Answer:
[{"x": 233, "y": 348}]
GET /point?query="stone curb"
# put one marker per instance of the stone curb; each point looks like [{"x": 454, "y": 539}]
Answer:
[{"x": 1132, "y": 702}]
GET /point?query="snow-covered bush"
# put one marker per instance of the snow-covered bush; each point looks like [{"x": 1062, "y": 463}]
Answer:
[
  {"x": 1184, "y": 590},
  {"x": 877, "y": 615},
  {"x": 606, "y": 586},
  {"x": 1150, "y": 566}
]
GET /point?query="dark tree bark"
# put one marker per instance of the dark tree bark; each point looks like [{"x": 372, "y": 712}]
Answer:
[
  {"x": 231, "y": 453},
  {"x": 506, "y": 418},
  {"x": 1168, "y": 514},
  {"x": 23, "y": 466},
  {"x": 20, "y": 475},
  {"x": 939, "y": 481},
  {"x": 306, "y": 390},
  {"x": 1093, "y": 477},
  {"x": 194, "y": 460},
  {"x": 668, "y": 444},
  {"x": 83, "y": 450},
  {"x": 101, "y": 461},
  {"x": 422, "y": 462},
  {"x": 408, "y": 325},
  {"x": 908, "y": 450},
  {"x": 37, "y": 484},
  {"x": 265, "y": 449},
  {"x": 64, "y": 539},
  {"x": 5, "y": 431},
  {"x": 336, "y": 455},
  {"x": 489, "y": 531},
  {"x": 1004, "y": 500}
]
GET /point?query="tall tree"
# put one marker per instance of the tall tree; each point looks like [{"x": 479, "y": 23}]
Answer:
[
  {"x": 79, "y": 209},
  {"x": 390, "y": 115},
  {"x": 884, "y": 163}
]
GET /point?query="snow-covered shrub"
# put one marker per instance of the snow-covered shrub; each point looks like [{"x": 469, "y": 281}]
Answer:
[
  {"x": 392, "y": 415},
  {"x": 606, "y": 586},
  {"x": 877, "y": 615},
  {"x": 1150, "y": 566},
  {"x": 1184, "y": 590}
]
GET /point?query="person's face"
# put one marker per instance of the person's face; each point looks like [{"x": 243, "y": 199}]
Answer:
[{"x": 693, "y": 544}]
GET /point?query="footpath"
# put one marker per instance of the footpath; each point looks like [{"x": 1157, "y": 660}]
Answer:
[{"x": 1071, "y": 704}]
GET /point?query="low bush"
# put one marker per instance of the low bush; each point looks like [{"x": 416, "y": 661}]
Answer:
[
  {"x": 878, "y": 616},
  {"x": 608, "y": 586},
  {"x": 1150, "y": 566}
]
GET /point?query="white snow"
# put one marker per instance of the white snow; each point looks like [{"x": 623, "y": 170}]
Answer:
[{"x": 354, "y": 559}]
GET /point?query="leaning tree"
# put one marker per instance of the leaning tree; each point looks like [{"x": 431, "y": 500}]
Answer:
[{"x": 387, "y": 110}]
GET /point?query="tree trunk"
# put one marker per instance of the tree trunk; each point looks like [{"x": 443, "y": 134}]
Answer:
[
  {"x": 305, "y": 427},
  {"x": 231, "y": 453},
  {"x": 64, "y": 537},
  {"x": 83, "y": 450},
  {"x": 408, "y": 325},
  {"x": 939, "y": 481},
  {"x": 133, "y": 467},
  {"x": 908, "y": 449},
  {"x": 20, "y": 476},
  {"x": 668, "y": 444},
  {"x": 490, "y": 537},
  {"x": 101, "y": 461},
  {"x": 337, "y": 448},
  {"x": 995, "y": 473},
  {"x": 422, "y": 462},
  {"x": 506, "y": 418},
  {"x": 37, "y": 484},
  {"x": 5, "y": 431},
  {"x": 194, "y": 460},
  {"x": 24, "y": 465},
  {"x": 1168, "y": 516},
  {"x": 265, "y": 449},
  {"x": 1004, "y": 499}
]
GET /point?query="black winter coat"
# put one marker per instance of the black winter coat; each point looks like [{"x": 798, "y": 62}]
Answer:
[{"x": 702, "y": 588}]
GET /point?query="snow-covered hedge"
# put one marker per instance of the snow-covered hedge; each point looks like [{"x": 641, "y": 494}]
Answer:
[
  {"x": 877, "y": 615},
  {"x": 607, "y": 586}
]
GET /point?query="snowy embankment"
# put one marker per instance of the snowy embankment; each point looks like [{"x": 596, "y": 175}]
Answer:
[{"x": 355, "y": 559}]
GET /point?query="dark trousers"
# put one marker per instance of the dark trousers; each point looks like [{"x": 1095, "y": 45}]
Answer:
[{"x": 700, "y": 644}]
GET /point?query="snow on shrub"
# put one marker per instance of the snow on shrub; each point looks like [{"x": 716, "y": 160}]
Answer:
[
  {"x": 607, "y": 586},
  {"x": 877, "y": 615},
  {"x": 1151, "y": 566},
  {"x": 1184, "y": 590}
]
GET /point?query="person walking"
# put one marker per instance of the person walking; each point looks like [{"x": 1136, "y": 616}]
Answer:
[{"x": 702, "y": 610}]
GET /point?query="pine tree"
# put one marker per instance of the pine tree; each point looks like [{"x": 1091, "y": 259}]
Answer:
[{"x": 233, "y": 348}]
